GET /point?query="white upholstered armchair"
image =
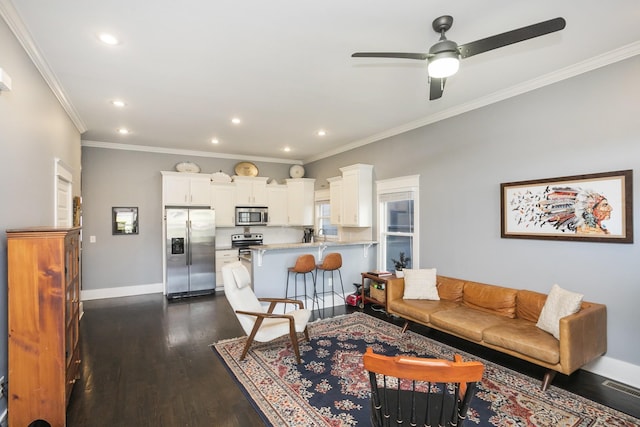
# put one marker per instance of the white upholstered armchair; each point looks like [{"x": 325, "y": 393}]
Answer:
[{"x": 258, "y": 322}]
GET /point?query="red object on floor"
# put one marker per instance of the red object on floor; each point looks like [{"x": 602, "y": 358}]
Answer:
[{"x": 354, "y": 299}]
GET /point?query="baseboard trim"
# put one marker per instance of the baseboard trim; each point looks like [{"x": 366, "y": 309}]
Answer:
[
  {"x": 121, "y": 291},
  {"x": 618, "y": 370}
]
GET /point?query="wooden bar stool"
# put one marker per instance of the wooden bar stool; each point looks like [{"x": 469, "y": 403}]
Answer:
[
  {"x": 331, "y": 263},
  {"x": 305, "y": 264}
]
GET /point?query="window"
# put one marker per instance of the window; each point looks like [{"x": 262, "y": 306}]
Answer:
[
  {"x": 398, "y": 228},
  {"x": 324, "y": 228}
]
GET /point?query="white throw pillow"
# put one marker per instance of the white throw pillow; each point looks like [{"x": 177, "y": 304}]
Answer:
[
  {"x": 243, "y": 279},
  {"x": 420, "y": 284},
  {"x": 560, "y": 303}
]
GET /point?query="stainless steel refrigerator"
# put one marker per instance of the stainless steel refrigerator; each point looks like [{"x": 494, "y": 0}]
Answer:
[{"x": 190, "y": 251}]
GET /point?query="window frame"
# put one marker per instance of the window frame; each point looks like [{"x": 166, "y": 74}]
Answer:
[
  {"x": 322, "y": 198},
  {"x": 404, "y": 184}
]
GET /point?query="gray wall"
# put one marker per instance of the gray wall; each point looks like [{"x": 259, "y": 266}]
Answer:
[
  {"x": 34, "y": 130},
  {"x": 586, "y": 124},
  {"x": 131, "y": 178}
]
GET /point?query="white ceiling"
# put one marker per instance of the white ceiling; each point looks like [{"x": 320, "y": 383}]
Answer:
[{"x": 284, "y": 66}]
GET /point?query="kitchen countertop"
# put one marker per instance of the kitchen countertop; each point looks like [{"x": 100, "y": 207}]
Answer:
[{"x": 278, "y": 246}]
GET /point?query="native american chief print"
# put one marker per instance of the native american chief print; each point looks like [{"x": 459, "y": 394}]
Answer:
[{"x": 571, "y": 207}]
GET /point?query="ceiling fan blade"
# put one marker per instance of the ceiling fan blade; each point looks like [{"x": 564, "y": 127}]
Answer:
[
  {"x": 510, "y": 37},
  {"x": 436, "y": 86},
  {"x": 390, "y": 55}
]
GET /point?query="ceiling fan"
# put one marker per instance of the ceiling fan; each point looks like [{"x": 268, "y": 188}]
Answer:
[{"x": 444, "y": 56}]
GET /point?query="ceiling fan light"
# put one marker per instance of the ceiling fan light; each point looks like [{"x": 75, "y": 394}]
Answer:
[{"x": 443, "y": 65}]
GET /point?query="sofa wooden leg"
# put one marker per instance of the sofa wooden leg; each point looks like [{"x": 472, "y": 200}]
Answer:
[
  {"x": 405, "y": 327},
  {"x": 548, "y": 377}
]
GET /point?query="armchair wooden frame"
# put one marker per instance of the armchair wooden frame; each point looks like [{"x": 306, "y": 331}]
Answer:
[
  {"x": 417, "y": 389},
  {"x": 270, "y": 315}
]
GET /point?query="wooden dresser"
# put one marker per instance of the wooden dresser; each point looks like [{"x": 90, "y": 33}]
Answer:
[{"x": 43, "y": 309}]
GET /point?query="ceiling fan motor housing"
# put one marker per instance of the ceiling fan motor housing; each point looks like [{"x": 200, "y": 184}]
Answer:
[{"x": 443, "y": 46}]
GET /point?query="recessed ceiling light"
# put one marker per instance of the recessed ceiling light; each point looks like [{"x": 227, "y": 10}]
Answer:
[
  {"x": 215, "y": 140},
  {"x": 118, "y": 103},
  {"x": 109, "y": 39},
  {"x": 123, "y": 131},
  {"x": 235, "y": 120},
  {"x": 286, "y": 149},
  {"x": 322, "y": 132}
]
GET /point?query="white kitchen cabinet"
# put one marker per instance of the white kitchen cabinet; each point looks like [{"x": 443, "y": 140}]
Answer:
[
  {"x": 335, "y": 199},
  {"x": 357, "y": 199},
  {"x": 223, "y": 200},
  {"x": 300, "y": 201},
  {"x": 186, "y": 189},
  {"x": 223, "y": 257},
  {"x": 251, "y": 191},
  {"x": 277, "y": 204}
]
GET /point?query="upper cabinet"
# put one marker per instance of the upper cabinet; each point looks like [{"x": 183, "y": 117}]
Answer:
[
  {"x": 223, "y": 200},
  {"x": 251, "y": 191},
  {"x": 300, "y": 201},
  {"x": 277, "y": 204},
  {"x": 357, "y": 199},
  {"x": 289, "y": 205},
  {"x": 186, "y": 189},
  {"x": 335, "y": 199}
]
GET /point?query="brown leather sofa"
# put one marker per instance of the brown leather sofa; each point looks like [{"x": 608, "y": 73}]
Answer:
[{"x": 504, "y": 319}]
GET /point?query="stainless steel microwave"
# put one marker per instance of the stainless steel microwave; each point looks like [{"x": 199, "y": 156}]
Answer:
[{"x": 251, "y": 215}]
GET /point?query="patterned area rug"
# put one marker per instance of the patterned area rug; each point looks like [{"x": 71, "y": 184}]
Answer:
[{"x": 331, "y": 388}]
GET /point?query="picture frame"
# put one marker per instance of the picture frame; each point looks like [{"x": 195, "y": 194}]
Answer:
[
  {"x": 124, "y": 220},
  {"x": 592, "y": 208}
]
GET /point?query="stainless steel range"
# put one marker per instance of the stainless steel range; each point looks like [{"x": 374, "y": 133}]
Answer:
[{"x": 243, "y": 241}]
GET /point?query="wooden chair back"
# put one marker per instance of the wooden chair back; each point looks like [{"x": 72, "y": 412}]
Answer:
[{"x": 408, "y": 390}]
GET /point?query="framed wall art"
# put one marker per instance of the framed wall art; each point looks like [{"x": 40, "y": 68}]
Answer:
[{"x": 596, "y": 208}]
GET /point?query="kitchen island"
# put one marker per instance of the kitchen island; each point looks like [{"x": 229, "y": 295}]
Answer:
[{"x": 270, "y": 264}]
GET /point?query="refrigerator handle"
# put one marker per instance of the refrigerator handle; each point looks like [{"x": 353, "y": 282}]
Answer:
[{"x": 188, "y": 242}]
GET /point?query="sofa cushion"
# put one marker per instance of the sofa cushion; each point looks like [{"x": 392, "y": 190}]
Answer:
[
  {"x": 420, "y": 284},
  {"x": 529, "y": 305},
  {"x": 490, "y": 299},
  {"x": 450, "y": 289},
  {"x": 466, "y": 322},
  {"x": 559, "y": 303},
  {"x": 419, "y": 310},
  {"x": 524, "y": 337}
]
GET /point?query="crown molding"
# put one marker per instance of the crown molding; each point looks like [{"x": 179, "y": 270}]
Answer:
[
  {"x": 180, "y": 152},
  {"x": 599, "y": 61},
  {"x": 13, "y": 20}
]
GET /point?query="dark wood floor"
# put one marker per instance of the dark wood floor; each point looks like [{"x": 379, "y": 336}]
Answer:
[{"x": 147, "y": 362}]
